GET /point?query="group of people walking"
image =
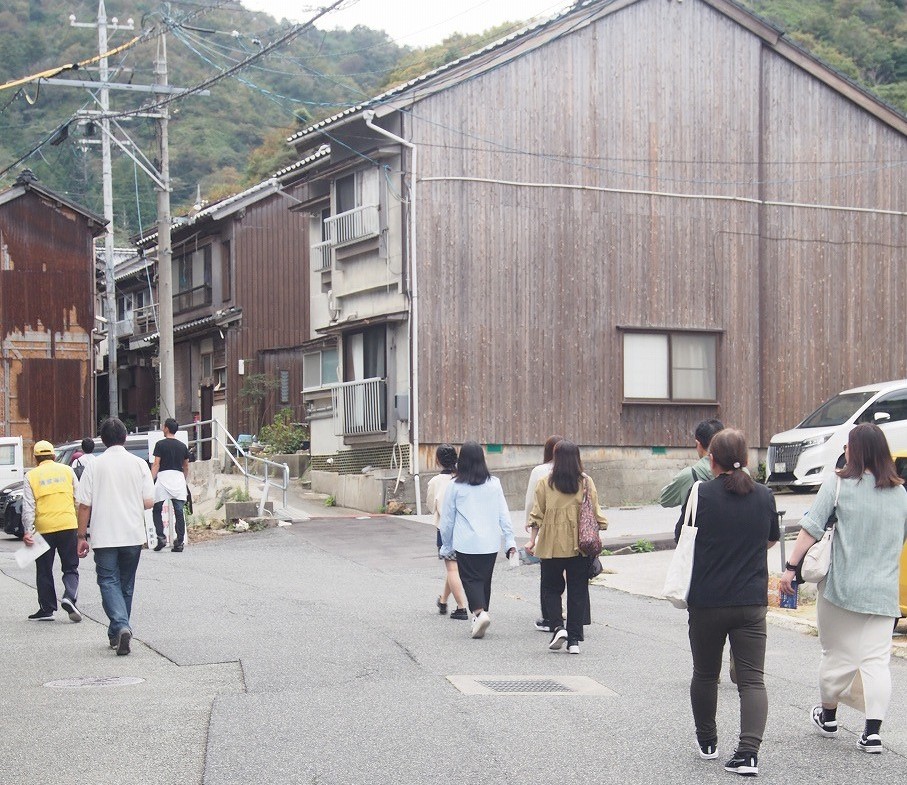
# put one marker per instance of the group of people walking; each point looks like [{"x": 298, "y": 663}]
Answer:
[
  {"x": 472, "y": 518},
  {"x": 737, "y": 522},
  {"x": 106, "y": 495}
]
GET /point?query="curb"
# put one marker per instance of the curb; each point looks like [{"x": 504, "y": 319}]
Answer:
[{"x": 665, "y": 540}]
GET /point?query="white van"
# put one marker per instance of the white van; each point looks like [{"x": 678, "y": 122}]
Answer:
[{"x": 805, "y": 456}]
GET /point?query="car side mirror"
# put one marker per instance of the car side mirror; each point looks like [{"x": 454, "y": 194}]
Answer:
[{"x": 881, "y": 417}]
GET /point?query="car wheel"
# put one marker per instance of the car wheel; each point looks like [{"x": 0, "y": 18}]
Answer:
[{"x": 13, "y": 525}]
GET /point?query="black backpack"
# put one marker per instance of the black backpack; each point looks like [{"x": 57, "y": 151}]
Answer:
[{"x": 80, "y": 467}]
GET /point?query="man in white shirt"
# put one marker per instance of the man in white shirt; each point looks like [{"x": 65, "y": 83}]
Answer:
[{"x": 114, "y": 491}]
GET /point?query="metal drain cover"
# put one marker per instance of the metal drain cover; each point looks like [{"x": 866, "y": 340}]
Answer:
[
  {"x": 94, "y": 681},
  {"x": 529, "y": 685},
  {"x": 525, "y": 685}
]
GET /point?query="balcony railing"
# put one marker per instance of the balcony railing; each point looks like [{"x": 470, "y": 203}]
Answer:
[
  {"x": 188, "y": 299},
  {"x": 145, "y": 319},
  {"x": 357, "y": 224},
  {"x": 360, "y": 407},
  {"x": 321, "y": 256}
]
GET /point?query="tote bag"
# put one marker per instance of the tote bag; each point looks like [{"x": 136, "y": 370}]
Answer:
[
  {"x": 589, "y": 542},
  {"x": 680, "y": 570},
  {"x": 817, "y": 560}
]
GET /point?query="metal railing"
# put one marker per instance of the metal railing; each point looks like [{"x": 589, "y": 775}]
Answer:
[
  {"x": 360, "y": 407},
  {"x": 250, "y": 465},
  {"x": 321, "y": 256},
  {"x": 353, "y": 225}
]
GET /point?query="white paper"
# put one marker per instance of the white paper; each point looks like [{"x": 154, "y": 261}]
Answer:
[{"x": 28, "y": 553}]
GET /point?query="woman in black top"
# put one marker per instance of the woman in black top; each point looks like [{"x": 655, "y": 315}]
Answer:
[{"x": 728, "y": 595}]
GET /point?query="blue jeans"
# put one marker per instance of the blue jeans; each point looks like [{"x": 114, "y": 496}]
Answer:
[{"x": 116, "y": 568}]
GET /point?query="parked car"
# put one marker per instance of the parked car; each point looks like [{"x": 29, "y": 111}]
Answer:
[
  {"x": 11, "y": 495},
  {"x": 805, "y": 456}
]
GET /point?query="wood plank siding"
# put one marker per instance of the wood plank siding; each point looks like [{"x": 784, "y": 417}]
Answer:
[
  {"x": 526, "y": 285},
  {"x": 271, "y": 285}
]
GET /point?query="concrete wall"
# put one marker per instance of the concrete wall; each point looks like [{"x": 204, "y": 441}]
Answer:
[{"x": 357, "y": 491}]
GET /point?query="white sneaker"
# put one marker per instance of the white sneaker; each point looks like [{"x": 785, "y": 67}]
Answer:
[{"x": 480, "y": 624}]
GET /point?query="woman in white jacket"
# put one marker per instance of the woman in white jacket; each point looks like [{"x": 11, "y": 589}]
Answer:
[{"x": 446, "y": 457}]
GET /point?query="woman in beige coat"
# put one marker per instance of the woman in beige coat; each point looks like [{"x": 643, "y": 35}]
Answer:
[{"x": 554, "y": 538}]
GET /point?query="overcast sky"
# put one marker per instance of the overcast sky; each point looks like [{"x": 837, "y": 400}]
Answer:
[{"x": 414, "y": 22}]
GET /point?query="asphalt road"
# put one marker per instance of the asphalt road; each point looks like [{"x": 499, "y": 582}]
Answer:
[{"x": 314, "y": 654}]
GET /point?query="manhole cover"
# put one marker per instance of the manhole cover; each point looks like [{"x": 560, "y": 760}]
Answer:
[
  {"x": 94, "y": 681},
  {"x": 526, "y": 685},
  {"x": 529, "y": 685}
]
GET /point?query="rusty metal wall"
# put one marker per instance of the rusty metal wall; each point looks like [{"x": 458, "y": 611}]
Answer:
[{"x": 46, "y": 318}]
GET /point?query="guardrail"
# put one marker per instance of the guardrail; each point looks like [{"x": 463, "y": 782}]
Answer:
[
  {"x": 243, "y": 460},
  {"x": 360, "y": 407}
]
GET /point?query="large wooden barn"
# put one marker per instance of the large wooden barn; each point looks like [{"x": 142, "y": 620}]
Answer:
[{"x": 631, "y": 217}]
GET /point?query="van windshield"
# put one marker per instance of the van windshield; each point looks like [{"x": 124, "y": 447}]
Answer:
[{"x": 837, "y": 410}]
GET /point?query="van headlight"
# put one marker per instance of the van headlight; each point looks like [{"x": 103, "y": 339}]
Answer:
[{"x": 816, "y": 441}]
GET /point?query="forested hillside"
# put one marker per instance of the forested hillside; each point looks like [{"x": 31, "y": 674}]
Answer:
[{"x": 234, "y": 137}]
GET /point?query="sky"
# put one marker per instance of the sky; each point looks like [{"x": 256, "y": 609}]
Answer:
[{"x": 414, "y": 22}]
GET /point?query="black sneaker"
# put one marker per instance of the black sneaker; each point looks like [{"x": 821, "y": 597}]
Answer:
[
  {"x": 870, "y": 743},
  {"x": 828, "y": 728},
  {"x": 161, "y": 544},
  {"x": 744, "y": 763},
  {"x": 460, "y": 613},
  {"x": 42, "y": 616},
  {"x": 70, "y": 607},
  {"x": 123, "y": 638},
  {"x": 572, "y": 647},
  {"x": 177, "y": 547},
  {"x": 558, "y": 639},
  {"x": 542, "y": 626},
  {"x": 442, "y": 606},
  {"x": 708, "y": 750}
]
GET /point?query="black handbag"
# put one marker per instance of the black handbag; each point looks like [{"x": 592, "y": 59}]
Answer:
[{"x": 595, "y": 568}]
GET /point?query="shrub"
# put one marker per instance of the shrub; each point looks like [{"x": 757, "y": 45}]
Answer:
[{"x": 283, "y": 435}]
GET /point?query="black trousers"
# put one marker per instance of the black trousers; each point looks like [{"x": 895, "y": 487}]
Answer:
[
  {"x": 66, "y": 543},
  {"x": 475, "y": 574},
  {"x": 157, "y": 515},
  {"x": 553, "y": 583}
]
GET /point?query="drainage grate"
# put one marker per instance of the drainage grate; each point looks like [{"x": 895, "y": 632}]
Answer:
[
  {"x": 94, "y": 681},
  {"x": 506, "y": 685},
  {"x": 526, "y": 685}
]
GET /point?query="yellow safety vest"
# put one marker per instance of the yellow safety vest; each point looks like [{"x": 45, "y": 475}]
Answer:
[{"x": 51, "y": 485}]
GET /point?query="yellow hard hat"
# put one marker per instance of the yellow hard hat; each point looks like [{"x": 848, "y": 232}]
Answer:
[{"x": 43, "y": 449}]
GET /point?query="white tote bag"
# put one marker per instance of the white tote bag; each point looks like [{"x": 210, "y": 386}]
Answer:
[
  {"x": 817, "y": 560},
  {"x": 680, "y": 571}
]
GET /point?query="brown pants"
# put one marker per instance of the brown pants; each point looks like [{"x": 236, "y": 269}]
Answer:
[{"x": 709, "y": 629}]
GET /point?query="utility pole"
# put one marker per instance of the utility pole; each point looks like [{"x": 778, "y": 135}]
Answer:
[
  {"x": 113, "y": 391},
  {"x": 164, "y": 254}
]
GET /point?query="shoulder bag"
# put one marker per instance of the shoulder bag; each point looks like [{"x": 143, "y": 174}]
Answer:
[
  {"x": 680, "y": 570},
  {"x": 817, "y": 560},
  {"x": 590, "y": 543}
]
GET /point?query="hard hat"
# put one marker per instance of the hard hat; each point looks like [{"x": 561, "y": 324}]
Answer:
[{"x": 43, "y": 449}]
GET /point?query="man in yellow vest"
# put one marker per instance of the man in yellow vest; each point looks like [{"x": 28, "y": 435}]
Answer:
[{"x": 48, "y": 506}]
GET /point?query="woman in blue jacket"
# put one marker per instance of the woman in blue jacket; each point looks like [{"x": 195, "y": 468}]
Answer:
[{"x": 473, "y": 522}]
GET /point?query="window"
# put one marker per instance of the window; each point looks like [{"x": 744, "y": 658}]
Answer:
[
  {"x": 346, "y": 193},
  {"x": 319, "y": 368},
  {"x": 220, "y": 378},
  {"x": 207, "y": 365},
  {"x": 226, "y": 272},
  {"x": 192, "y": 280},
  {"x": 894, "y": 405},
  {"x": 284, "y": 377},
  {"x": 670, "y": 366}
]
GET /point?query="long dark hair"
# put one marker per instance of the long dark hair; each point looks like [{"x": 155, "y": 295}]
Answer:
[
  {"x": 568, "y": 468},
  {"x": 471, "y": 466},
  {"x": 548, "y": 452},
  {"x": 868, "y": 451},
  {"x": 728, "y": 448}
]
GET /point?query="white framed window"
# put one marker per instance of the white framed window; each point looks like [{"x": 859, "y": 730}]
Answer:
[
  {"x": 319, "y": 369},
  {"x": 670, "y": 366}
]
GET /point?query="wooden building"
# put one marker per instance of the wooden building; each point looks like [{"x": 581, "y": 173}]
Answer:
[
  {"x": 239, "y": 291},
  {"x": 631, "y": 217},
  {"x": 47, "y": 274}
]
